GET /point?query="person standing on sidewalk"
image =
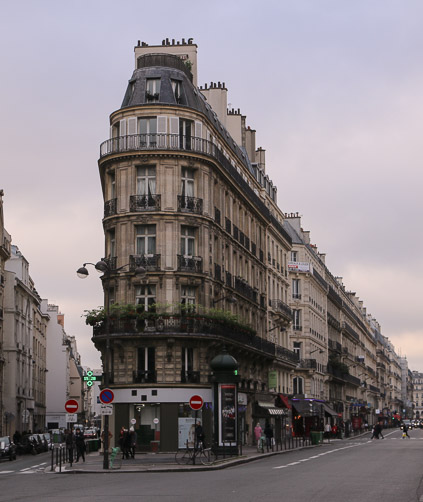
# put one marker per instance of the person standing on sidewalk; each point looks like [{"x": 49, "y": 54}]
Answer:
[
  {"x": 70, "y": 444},
  {"x": 80, "y": 445},
  {"x": 268, "y": 432}
]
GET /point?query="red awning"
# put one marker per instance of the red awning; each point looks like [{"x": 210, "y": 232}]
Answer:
[{"x": 285, "y": 401}]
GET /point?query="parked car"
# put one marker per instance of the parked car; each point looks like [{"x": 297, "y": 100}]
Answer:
[
  {"x": 90, "y": 434},
  {"x": 49, "y": 439},
  {"x": 30, "y": 444},
  {"x": 7, "y": 448},
  {"x": 43, "y": 441}
]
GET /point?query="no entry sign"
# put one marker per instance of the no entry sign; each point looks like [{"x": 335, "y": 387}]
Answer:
[
  {"x": 196, "y": 402},
  {"x": 106, "y": 396},
  {"x": 71, "y": 406}
]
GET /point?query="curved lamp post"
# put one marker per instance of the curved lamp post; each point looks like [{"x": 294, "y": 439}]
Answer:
[
  {"x": 103, "y": 267},
  {"x": 229, "y": 298}
]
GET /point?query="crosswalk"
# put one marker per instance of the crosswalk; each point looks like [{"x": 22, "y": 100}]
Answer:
[{"x": 33, "y": 469}]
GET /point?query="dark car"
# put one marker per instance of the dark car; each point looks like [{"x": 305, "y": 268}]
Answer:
[
  {"x": 30, "y": 444},
  {"x": 7, "y": 448},
  {"x": 43, "y": 441}
]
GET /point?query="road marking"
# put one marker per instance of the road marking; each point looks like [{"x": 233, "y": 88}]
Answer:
[
  {"x": 6, "y": 472},
  {"x": 317, "y": 456}
]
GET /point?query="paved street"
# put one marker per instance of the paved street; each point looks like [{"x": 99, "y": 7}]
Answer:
[{"x": 388, "y": 470}]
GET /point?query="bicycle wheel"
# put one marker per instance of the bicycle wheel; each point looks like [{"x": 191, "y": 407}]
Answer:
[
  {"x": 183, "y": 457},
  {"x": 207, "y": 456}
]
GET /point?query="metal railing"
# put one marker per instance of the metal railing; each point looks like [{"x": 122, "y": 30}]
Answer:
[{"x": 139, "y": 203}]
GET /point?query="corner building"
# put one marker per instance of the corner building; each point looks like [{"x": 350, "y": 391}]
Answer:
[{"x": 186, "y": 198}]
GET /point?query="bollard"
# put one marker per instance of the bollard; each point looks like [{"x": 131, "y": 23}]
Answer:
[{"x": 52, "y": 460}]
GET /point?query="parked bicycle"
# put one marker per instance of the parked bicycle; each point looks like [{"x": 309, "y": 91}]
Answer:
[{"x": 189, "y": 455}]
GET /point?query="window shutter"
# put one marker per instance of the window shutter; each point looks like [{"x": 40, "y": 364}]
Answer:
[
  {"x": 174, "y": 131},
  {"x": 161, "y": 131},
  {"x": 122, "y": 135},
  {"x": 198, "y": 136},
  {"x": 132, "y": 125}
]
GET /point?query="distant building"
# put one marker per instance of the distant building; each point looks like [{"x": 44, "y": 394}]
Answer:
[
  {"x": 64, "y": 377},
  {"x": 5, "y": 243}
]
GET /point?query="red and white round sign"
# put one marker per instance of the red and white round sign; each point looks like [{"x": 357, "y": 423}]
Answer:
[
  {"x": 196, "y": 402},
  {"x": 71, "y": 406}
]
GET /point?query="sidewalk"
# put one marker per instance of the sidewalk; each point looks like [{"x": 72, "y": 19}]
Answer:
[{"x": 165, "y": 462}]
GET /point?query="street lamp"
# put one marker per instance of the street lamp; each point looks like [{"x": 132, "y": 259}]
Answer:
[
  {"x": 229, "y": 298},
  {"x": 103, "y": 266},
  {"x": 313, "y": 351}
]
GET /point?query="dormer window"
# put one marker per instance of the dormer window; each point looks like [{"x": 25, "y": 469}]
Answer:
[
  {"x": 152, "y": 92},
  {"x": 177, "y": 89}
]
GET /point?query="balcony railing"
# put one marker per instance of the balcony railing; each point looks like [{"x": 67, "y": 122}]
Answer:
[
  {"x": 144, "y": 376},
  {"x": 310, "y": 364},
  {"x": 190, "y": 264},
  {"x": 188, "y": 204},
  {"x": 110, "y": 207},
  {"x": 190, "y": 376},
  {"x": 139, "y": 203},
  {"x": 150, "y": 262},
  {"x": 194, "y": 323},
  {"x": 282, "y": 308},
  {"x": 145, "y": 142},
  {"x": 229, "y": 280},
  {"x": 245, "y": 289}
]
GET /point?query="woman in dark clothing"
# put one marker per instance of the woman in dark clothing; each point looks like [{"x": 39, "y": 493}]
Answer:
[
  {"x": 268, "y": 432},
  {"x": 80, "y": 445}
]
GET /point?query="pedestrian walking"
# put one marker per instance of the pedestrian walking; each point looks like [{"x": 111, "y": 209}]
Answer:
[
  {"x": 404, "y": 428},
  {"x": 70, "y": 444},
  {"x": 328, "y": 429},
  {"x": 377, "y": 431},
  {"x": 80, "y": 445},
  {"x": 268, "y": 432},
  {"x": 133, "y": 438}
]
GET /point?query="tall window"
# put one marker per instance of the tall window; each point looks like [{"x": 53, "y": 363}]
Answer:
[
  {"x": 187, "y": 182},
  {"x": 188, "y": 296},
  {"x": 187, "y": 241},
  {"x": 296, "y": 292},
  {"x": 298, "y": 384},
  {"x": 294, "y": 255},
  {"x": 296, "y": 319},
  {"x": 112, "y": 184},
  {"x": 188, "y": 359},
  {"x": 146, "y": 364},
  {"x": 177, "y": 88},
  {"x": 148, "y": 131},
  {"x": 146, "y": 295},
  {"x": 297, "y": 348},
  {"x": 185, "y": 134},
  {"x": 152, "y": 92},
  {"x": 146, "y": 180},
  {"x": 112, "y": 243},
  {"x": 145, "y": 240}
]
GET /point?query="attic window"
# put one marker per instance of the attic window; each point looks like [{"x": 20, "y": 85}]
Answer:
[
  {"x": 152, "y": 92},
  {"x": 177, "y": 90}
]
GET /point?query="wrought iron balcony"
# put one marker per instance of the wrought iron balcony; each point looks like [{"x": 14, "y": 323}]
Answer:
[
  {"x": 139, "y": 203},
  {"x": 229, "y": 280},
  {"x": 190, "y": 376},
  {"x": 245, "y": 289},
  {"x": 110, "y": 207},
  {"x": 151, "y": 263},
  {"x": 188, "y": 204},
  {"x": 282, "y": 308},
  {"x": 310, "y": 364},
  {"x": 141, "y": 376},
  {"x": 190, "y": 264}
]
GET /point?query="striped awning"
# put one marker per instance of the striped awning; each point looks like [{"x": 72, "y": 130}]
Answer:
[{"x": 270, "y": 407}]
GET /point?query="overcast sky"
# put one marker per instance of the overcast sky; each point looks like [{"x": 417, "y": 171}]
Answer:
[{"x": 333, "y": 89}]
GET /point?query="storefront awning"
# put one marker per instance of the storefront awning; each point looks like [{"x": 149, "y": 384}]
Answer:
[
  {"x": 309, "y": 407},
  {"x": 270, "y": 407},
  {"x": 328, "y": 410},
  {"x": 285, "y": 401}
]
